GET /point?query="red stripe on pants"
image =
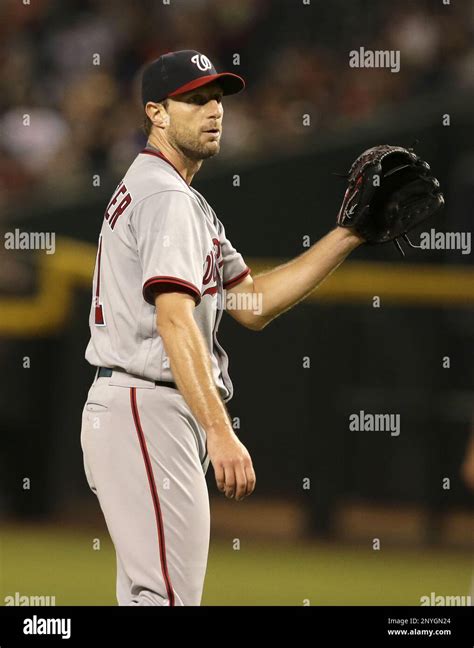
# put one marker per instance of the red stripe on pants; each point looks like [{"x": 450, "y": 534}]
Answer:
[{"x": 154, "y": 494}]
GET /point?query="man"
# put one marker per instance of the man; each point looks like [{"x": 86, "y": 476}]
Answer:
[{"x": 155, "y": 414}]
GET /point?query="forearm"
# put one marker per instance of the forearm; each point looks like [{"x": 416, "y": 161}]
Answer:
[
  {"x": 191, "y": 367},
  {"x": 286, "y": 285}
]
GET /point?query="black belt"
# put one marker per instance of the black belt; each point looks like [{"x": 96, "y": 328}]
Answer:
[{"x": 105, "y": 372}]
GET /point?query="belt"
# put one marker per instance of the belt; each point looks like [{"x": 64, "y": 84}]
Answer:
[{"x": 105, "y": 372}]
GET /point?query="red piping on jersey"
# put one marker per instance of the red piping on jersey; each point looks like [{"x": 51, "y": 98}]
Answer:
[
  {"x": 160, "y": 155},
  {"x": 99, "y": 254},
  {"x": 168, "y": 282},
  {"x": 237, "y": 279},
  {"x": 154, "y": 494},
  {"x": 99, "y": 313}
]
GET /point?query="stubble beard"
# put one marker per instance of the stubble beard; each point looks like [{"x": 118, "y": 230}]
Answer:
[{"x": 191, "y": 147}]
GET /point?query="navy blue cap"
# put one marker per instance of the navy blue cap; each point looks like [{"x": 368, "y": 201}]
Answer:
[{"x": 178, "y": 72}]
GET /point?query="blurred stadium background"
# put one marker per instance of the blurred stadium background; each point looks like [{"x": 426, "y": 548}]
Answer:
[{"x": 57, "y": 175}]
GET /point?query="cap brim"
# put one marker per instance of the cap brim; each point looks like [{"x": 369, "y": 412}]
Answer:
[{"x": 230, "y": 83}]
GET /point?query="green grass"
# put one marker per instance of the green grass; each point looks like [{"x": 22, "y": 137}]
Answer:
[
  {"x": 56, "y": 562},
  {"x": 62, "y": 563}
]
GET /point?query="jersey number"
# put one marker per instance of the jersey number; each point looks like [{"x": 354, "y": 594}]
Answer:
[{"x": 119, "y": 203}]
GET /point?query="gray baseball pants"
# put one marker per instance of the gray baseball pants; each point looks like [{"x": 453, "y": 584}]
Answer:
[{"x": 145, "y": 458}]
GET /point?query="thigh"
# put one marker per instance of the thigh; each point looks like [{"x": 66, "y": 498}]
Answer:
[{"x": 144, "y": 463}]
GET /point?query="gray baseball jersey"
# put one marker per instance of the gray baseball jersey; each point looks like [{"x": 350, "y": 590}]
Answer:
[{"x": 158, "y": 234}]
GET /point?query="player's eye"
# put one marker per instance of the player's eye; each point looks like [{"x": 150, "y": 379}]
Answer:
[{"x": 201, "y": 100}]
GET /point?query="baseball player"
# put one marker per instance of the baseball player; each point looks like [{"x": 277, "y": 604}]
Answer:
[{"x": 155, "y": 415}]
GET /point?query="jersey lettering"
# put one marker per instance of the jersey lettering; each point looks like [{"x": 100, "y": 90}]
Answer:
[
  {"x": 212, "y": 264},
  {"x": 113, "y": 212}
]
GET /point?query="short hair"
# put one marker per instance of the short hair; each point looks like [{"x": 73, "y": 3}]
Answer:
[{"x": 147, "y": 123}]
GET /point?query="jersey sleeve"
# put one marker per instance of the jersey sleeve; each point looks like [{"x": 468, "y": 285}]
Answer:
[
  {"x": 171, "y": 244},
  {"x": 234, "y": 267}
]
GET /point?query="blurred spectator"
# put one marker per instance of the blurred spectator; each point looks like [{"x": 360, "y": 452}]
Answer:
[
  {"x": 32, "y": 137},
  {"x": 85, "y": 116}
]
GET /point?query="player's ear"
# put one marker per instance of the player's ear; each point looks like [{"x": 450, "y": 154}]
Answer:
[{"x": 157, "y": 114}]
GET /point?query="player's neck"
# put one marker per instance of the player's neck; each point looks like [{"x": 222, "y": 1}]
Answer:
[{"x": 186, "y": 167}]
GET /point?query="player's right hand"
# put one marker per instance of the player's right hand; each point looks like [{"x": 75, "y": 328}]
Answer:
[{"x": 232, "y": 465}]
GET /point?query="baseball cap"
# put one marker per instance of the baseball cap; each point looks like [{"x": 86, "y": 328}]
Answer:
[{"x": 181, "y": 71}]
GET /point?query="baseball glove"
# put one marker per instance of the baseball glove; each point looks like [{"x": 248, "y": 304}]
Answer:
[{"x": 391, "y": 191}]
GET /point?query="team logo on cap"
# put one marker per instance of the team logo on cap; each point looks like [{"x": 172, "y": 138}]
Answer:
[{"x": 202, "y": 62}]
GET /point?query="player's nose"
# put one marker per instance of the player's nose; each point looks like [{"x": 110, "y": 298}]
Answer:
[{"x": 215, "y": 109}]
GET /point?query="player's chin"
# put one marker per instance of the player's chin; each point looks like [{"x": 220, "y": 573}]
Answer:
[{"x": 210, "y": 149}]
